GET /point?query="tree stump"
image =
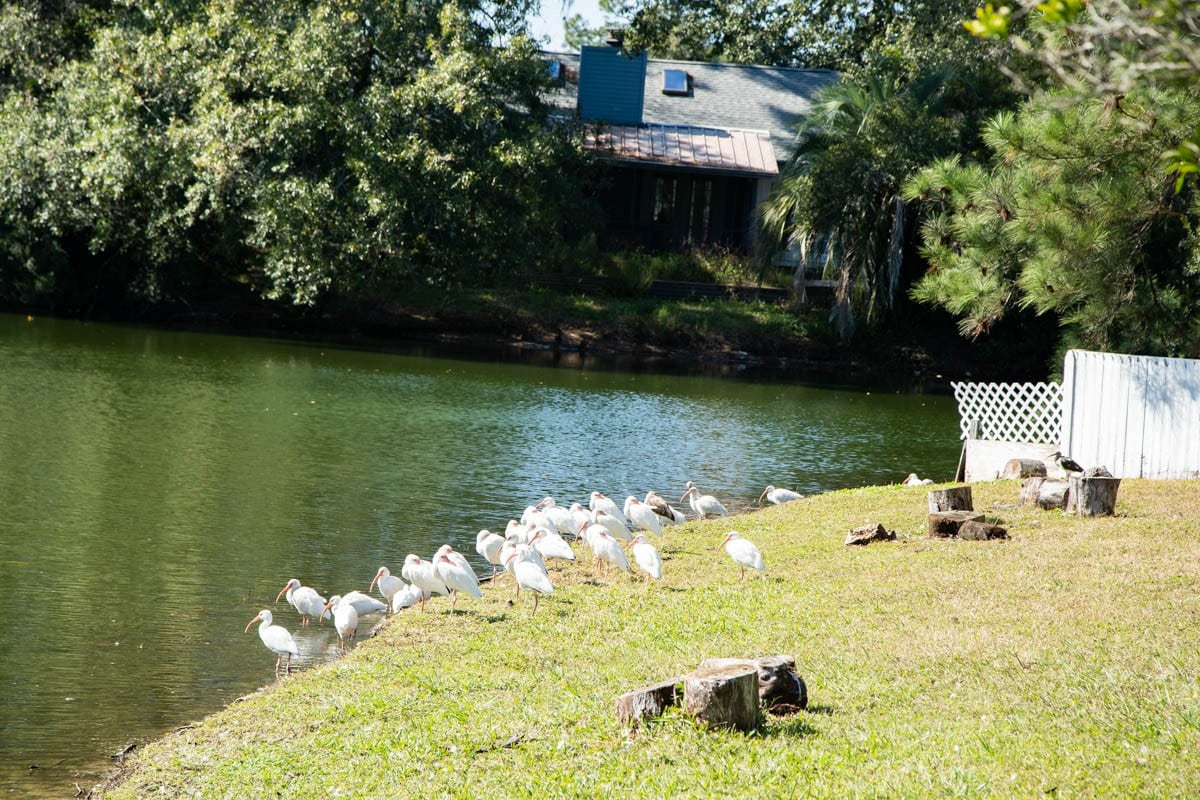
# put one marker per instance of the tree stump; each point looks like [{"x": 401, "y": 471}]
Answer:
[
  {"x": 954, "y": 498},
  {"x": 648, "y": 701},
  {"x": 981, "y": 531},
  {"x": 723, "y": 697},
  {"x": 1092, "y": 495},
  {"x": 1044, "y": 492},
  {"x": 945, "y": 524},
  {"x": 780, "y": 687},
  {"x": 870, "y": 533},
  {"x": 1017, "y": 468}
]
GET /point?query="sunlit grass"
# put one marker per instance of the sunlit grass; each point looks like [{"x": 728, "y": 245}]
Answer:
[{"x": 1062, "y": 662}]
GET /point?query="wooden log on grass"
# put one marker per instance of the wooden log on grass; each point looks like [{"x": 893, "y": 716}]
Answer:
[
  {"x": 723, "y": 697},
  {"x": 1046, "y": 493},
  {"x": 780, "y": 687},
  {"x": 1092, "y": 495},
  {"x": 945, "y": 524},
  {"x": 648, "y": 701},
  {"x": 1017, "y": 468},
  {"x": 953, "y": 498}
]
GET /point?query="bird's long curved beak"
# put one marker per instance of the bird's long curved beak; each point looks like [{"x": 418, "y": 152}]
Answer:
[
  {"x": 722, "y": 544},
  {"x": 371, "y": 588},
  {"x": 761, "y": 496},
  {"x": 282, "y": 592},
  {"x": 251, "y": 622},
  {"x": 685, "y": 494}
]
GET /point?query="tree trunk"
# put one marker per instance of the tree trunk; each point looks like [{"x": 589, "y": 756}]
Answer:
[
  {"x": 1017, "y": 468},
  {"x": 723, "y": 697},
  {"x": 945, "y": 524},
  {"x": 1092, "y": 496},
  {"x": 648, "y": 701},
  {"x": 955, "y": 498}
]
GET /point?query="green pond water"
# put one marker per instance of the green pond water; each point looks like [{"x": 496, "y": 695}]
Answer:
[{"x": 158, "y": 488}]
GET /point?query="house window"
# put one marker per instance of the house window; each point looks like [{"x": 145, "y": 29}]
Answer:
[{"x": 675, "y": 81}]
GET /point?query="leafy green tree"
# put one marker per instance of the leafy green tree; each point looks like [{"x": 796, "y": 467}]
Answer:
[
  {"x": 1071, "y": 217},
  {"x": 305, "y": 148},
  {"x": 922, "y": 97}
]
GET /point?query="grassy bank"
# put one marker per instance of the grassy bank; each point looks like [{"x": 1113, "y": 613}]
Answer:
[{"x": 1063, "y": 662}]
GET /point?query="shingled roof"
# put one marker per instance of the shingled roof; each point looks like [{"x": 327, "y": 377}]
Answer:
[{"x": 719, "y": 95}]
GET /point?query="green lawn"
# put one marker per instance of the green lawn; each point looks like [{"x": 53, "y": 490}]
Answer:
[{"x": 1063, "y": 662}]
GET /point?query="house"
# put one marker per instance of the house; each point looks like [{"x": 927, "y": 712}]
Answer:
[{"x": 694, "y": 147}]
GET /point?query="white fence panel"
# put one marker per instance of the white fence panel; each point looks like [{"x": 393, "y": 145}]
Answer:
[{"x": 1136, "y": 415}]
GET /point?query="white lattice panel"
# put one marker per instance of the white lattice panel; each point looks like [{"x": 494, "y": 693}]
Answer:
[{"x": 1011, "y": 412}]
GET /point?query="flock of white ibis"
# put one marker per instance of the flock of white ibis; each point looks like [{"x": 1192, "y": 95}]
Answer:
[{"x": 522, "y": 551}]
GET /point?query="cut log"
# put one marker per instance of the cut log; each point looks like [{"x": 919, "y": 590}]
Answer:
[
  {"x": 1017, "y": 468},
  {"x": 1053, "y": 493},
  {"x": 780, "y": 687},
  {"x": 723, "y": 697},
  {"x": 1030, "y": 489},
  {"x": 1092, "y": 496},
  {"x": 648, "y": 701},
  {"x": 945, "y": 524},
  {"x": 981, "y": 531},
  {"x": 870, "y": 533},
  {"x": 954, "y": 498}
]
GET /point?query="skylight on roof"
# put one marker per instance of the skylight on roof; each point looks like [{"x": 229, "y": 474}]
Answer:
[{"x": 675, "y": 81}]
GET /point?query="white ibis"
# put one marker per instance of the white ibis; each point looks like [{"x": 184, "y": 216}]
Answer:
[
  {"x": 643, "y": 516},
  {"x": 408, "y": 597},
  {"x": 616, "y": 527},
  {"x": 389, "y": 584},
  {"x": 599, "y": 501},
  {"x": 579, "y": 517},
  {"x": 304, "y": 599},
  {"x": 518, "y": 532},
  {"x": 703, "y": 505},
  {"x": 668, "y": 514},
  {"x": 455, "y": 571},
  {"x": 561, "y": 517},
  {"x": 522, "y": 562},
  {"x": 1067, "y": 463},
  {"x": 550, "y": 545},
  {"x": 363, "y": 603},
  {"x": 646, "y": 556},
  {"x": 345, "y": 619},
  {"x": 744, "y": 553},
  {"x": 488, "y": 545},
  {"x": 534, "y": 517},
  {"x": 276, "y": 638},
  {"x": 421, "y": 574},
  {"x": 778, "y": 496},
  {"x": 608, "y": 549}
]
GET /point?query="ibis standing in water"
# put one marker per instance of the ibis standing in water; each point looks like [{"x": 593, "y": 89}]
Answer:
[
  {"x": 744, "y": 553},
  {"x": 277, "y": 639},
  {"x": 304, "y": 599},
  {"x": 704, "y": 505},
  {"x": 778, "y": 496}
]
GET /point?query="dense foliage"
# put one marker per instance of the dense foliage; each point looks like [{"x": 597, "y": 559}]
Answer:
[
  {"x": 1072, "y": 215},
  {"x": 156, "y": 151},
  {"x": 925, "y": 94}
]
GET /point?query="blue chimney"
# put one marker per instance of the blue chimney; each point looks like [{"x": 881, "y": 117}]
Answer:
[{"x": 612, "y": 85}]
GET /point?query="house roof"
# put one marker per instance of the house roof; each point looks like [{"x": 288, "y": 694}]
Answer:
[
  {"x": 731, "y": 96},
  {"x": 686, "y": 145}
]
